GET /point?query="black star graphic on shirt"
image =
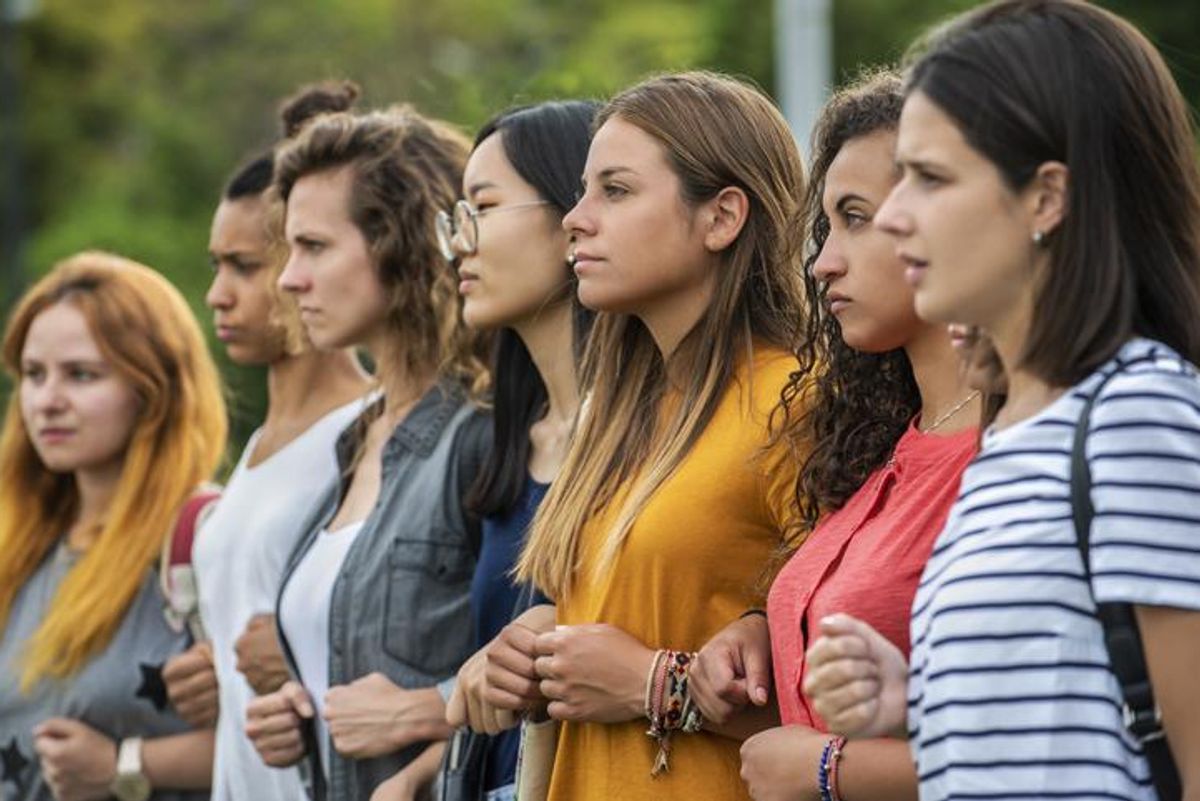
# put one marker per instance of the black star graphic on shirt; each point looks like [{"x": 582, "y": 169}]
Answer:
[
  {"x": 13, "y": 763},
  {"x": 153, "y": 688}
]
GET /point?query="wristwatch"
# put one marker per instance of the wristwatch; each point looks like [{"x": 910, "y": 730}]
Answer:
[{"x": 130, "y": 783}]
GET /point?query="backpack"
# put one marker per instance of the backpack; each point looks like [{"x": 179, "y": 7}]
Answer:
[
  {"x": 177, "y": 577},
  {"x": 1122, "y": 638}
]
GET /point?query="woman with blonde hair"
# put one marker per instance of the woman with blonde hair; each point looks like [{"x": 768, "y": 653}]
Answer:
[
  {"x": 670, "y": 504},
  {"x": 116, "y": 421}
]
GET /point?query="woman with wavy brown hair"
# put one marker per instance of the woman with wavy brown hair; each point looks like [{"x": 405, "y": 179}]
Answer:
[
  {"x": 892, "y": 425},
  {"x": 116, "y": 421},
  {"x": 374, "y": 606}
]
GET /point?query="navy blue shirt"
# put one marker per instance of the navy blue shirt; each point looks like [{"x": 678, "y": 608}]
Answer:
[{"x": 494, "y": 598}]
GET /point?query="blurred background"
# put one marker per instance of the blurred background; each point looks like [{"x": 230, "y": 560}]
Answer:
[{"x": 120, "y": 119}]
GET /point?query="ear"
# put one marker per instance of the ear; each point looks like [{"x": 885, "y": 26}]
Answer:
[
  {"x": 1048, "y": 197},
  {"x": 725, "y": 216}
]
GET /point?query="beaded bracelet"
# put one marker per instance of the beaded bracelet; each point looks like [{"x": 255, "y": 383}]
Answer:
[
  {"x": 669, "y": 706},
  {"x": 827, "y": 769}
]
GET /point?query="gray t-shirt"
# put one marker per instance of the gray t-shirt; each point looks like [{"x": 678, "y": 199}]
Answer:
[{"x": 120, "y": 692}]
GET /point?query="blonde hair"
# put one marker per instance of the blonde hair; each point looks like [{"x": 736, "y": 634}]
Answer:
[
  {"x": 717, "y": 132},
  {"x": 146, "y": 332}
]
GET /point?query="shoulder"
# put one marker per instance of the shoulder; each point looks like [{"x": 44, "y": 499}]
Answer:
[{"x": 1150, "y": 388}]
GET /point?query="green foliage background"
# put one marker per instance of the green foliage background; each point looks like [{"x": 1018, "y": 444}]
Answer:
[{"x": 134, "y": 111}]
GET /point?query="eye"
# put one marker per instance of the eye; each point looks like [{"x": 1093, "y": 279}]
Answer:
[
  {"x": 928, "y": 179},
  {"x": 615, "y": 191},
  {"x": 83, "y": 374},
  {"x": 245, "y": 267},
  {"x": 855, "y": 219},
  {"x": 33, "y": 372}
]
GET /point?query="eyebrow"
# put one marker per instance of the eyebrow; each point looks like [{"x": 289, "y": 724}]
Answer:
[
  {"x": 609, "y": 172},
  {"x": 847, "y": 199},
  {"x": 476, "y": 188}
]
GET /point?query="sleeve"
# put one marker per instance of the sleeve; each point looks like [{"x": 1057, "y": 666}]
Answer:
[{"x": 1144, "y": 451}]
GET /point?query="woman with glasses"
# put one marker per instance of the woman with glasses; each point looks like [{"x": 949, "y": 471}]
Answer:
[{"x": 506, "y": 241}]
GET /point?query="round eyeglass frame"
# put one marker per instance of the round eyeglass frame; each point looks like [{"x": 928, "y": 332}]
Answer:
[{"x": 458, "y": 229}]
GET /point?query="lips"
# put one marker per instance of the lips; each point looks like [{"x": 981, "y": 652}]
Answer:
[
  {"x": 226, "y": 332},
  {"x": 836, "y": 302},
  {"x": 583, "y": 260},
  {"x": 914, "y": 268},
  {"x": 54, "y": 435}
]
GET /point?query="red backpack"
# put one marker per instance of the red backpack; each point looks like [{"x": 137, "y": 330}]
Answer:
[{"x": 176, "y": 575}]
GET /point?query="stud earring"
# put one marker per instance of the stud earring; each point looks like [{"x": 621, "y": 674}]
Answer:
[{"x": 1038, "y": 237}]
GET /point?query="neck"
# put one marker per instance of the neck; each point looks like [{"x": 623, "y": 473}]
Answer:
[
  {"x": 1027, "y": 393},
  {"x": 313, "y": 380},
  {"x": 549, "y": 338},
  {"x": 402, "y": 387},
  {"x": 673, "y": 317},
  {"x": 941, "y": 381},
  {"x": 96, "y": 488}
]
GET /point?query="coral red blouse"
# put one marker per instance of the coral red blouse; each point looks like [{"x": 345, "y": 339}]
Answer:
[{"x": 866, "y": 558}]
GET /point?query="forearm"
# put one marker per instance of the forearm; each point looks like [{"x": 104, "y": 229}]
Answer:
[
  {"x": 746, "y": 723},
  {"x": 876, "y": 770},
  {"x": 424, "y": 769},
  {"x": 420, "y": 716},
  {"x": 180, "y": 761}
]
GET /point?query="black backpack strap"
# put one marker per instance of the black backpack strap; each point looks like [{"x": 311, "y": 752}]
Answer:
[{"x": 1122, "y": 638}]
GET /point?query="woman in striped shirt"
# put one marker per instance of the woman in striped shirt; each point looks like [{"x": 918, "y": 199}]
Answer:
[{"x": 1050, "y": 195}]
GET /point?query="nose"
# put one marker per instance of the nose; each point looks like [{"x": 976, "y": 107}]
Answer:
[
  {"x": 893, "y": 216},
  {"x": 578, "y": 221},
  {"x": 830, "y": 263},
  {"x": 219, "y": 296},
  {"x": 48, "y": 397},
  {"x": 293, "y": 279}
]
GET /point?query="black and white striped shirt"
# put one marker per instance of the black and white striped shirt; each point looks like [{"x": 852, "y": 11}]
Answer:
[{"x": 1010, "y": 694}]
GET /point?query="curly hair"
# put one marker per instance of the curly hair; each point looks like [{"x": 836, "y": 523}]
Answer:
[
  {"x": 859, "y": 404},
  {"x": 406, "y": 168}
]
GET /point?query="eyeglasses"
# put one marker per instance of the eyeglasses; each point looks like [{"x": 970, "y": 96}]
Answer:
[{"x": 458, "y": 230}]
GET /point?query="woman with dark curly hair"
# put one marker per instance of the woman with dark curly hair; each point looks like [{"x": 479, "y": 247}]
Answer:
[{"x": 891, "y": 427}]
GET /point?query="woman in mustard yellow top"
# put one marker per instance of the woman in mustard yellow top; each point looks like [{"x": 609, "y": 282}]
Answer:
[{"x": 672, "y": 499}]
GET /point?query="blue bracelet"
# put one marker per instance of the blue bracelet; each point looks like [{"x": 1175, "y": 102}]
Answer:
[{"x": 823, "y": 772}]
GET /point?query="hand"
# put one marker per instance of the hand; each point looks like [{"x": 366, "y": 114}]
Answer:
[
  {"x": 595, "y": 672},
  {"x": 733, "y": 670},
  {"x": 857, "y": 680},
  {"x": 259, "y": 655},
  {"x": 371, "y": 716},
  {"x": 78, "y": 762},
  {"x": 412, "y": 781},
  {"x": 273, "y": 724},
  {"x": 398, "y": 788},
  {"x": 512, "y": 682},
  {"x": 191, "y": 683},
  {"x": 468, "y": 705},
  {"x": 780, "y": 764}
]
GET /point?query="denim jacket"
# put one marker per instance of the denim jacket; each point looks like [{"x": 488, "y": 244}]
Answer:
[{"x": 401, "y": 604}]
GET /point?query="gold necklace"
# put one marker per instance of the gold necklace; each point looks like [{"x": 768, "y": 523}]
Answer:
[{"x": 952, "y": 412}]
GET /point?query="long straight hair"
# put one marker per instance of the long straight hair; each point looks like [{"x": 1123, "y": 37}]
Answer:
[
  {"x": 1031, "y": 81},
  {"x": 547, "y": 145},
  {"x": 146, "y": 332},
  {"x": 717, "y": 132}
]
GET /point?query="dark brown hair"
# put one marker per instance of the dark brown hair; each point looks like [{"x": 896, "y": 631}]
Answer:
[
  {"x": 314, "y": 99},
  {"x": 406, "y": 168},
  {"x": 860, "y": 403},
  {"x": 1032, "y": 81}
]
